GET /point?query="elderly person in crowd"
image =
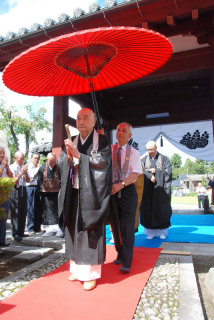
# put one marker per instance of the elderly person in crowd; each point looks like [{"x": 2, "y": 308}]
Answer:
[
  {"x": 49, "y": 182},
  {"x": 201, "y": 191},
  {"x": 4, "y": 173},
  {"x": 33, "y": 196},
  {"x": 18, "y": 200}
]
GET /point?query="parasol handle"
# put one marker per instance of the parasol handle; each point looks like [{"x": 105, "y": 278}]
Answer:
[
  {"x": 69, "y": 137},
  {"x": 68, "y": 131},
  {"x": 99, "y": 125}
]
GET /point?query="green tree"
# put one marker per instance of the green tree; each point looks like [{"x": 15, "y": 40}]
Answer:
[
  {"x": 175, "y": 173},
  {"x": 188, "y": 168},
  {"x": 200, "y": 166},
  {"x": 204, "y": 181},
  {"x": 210, "y": 167},
  {"x": 14, "y": 125},
  {"x": 176, "y": 161}
]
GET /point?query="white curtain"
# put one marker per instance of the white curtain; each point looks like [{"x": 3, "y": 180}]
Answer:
[{"x": 193, "y": 138}]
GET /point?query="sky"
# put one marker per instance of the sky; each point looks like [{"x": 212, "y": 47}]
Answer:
[
  {"x": 23, "y": 13},
  {"x": 15, "y": 14}
]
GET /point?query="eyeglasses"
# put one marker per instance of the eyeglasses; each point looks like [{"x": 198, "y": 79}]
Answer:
[{"x": 152, "y": 149}]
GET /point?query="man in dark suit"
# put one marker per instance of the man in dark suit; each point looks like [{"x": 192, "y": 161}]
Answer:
[
  {"x": 18, "y": 199},
  {"x": 126, "y": 168}
]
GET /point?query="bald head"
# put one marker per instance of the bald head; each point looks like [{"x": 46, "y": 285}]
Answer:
[
  {"x": 86, "y": 111},
  {"x": 51, "y": 159},
  {"x": 19, "y": 157},
  {"x": 85, "y": 122},
  {"x": 151, "y": 148},
  {"x": 151, "y": 144}
]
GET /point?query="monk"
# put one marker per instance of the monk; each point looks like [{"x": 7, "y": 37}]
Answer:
[
  {"x": 85, "y": 170},
  {"x": 155, "y": 210}
]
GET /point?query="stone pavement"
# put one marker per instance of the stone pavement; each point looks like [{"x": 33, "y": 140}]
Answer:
[{"x": 170, "y": 293}]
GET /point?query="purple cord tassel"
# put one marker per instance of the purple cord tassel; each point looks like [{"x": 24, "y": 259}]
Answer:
[{"x": 72, "y": 172}]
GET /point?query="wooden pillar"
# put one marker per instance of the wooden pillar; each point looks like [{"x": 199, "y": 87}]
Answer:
[
  {"x": 60, "y": 116},
  {"x": 211, "y": 42},
  {"x": 212, "y": 84}
]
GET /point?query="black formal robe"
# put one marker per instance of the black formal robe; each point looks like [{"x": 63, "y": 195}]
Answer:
[
  {"x": 84, "y": 211},
  {"x": 49, "y": 200},
  {"x": 155, "y": 209},
  {"x": 211, "y": 184}
]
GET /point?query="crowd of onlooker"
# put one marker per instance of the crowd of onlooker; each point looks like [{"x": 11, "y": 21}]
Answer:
[
  {"x": 92, "y": 183},
  {"x": 202, "y": 193},
  {"x": 33, "y": 202}
]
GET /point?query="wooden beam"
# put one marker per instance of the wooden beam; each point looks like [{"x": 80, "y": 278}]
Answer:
[
  {"x": 195, "y": 14},
  {"x": 145, "y": 25},
  {"x": 179, "y": 253},
  {"x": 171, "y": 21},
  {"x": 60, "y": 117},
  {"x": 179, "y": 111},
  {"x": 185, "y": 26},
  {"x": 186, "y": 61},
  {"x": 203, "y": 39},
  {"x": 149, "y": 26}
]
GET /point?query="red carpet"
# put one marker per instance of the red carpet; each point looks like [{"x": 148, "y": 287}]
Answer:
[{"x": 53, "y": 297}]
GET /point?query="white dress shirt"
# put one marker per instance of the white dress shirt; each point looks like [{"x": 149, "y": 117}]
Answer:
[
  {"x": 32, "y": 171},
  {"x": 135, "y": 165},
  {"x": 16, "y": 169}
]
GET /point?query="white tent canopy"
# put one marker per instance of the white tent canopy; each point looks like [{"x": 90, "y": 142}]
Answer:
[{"x": 193, "y": 138}]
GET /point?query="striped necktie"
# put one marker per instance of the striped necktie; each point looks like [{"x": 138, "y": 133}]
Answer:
[{"x": 119, "y": 162}]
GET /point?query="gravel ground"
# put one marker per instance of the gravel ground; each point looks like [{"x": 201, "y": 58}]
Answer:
[
  {"x": 160, "y": 297},
  {"x": 17, "y": 284},
  {"x": 159, "y": 300}
]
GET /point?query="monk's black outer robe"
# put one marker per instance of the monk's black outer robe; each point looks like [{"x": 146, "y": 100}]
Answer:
[
  {"x": 155, "y": 209},
  {"x": 84, "y": 211}
]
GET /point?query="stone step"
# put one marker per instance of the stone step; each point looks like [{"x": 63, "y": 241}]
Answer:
[
  {"x": 209, "y": 281},
  {"x": 212, "y": 208},
  {"x": 196, "y": 249},
  {"x": 38, "y": 240},
  {"x": 25, "y": 253}
]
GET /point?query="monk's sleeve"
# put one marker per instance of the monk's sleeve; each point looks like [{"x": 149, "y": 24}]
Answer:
[
  {"x": 167, "y": 168},
  {"x": 95, "y": 180},
  {"x": 40, "y": 177},
  {"x": 146, "y": 172}
]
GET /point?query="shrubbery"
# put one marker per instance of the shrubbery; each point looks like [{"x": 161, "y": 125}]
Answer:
[
  {"x": 6, "y": 186},
  {"x": 191, "y": 194}
]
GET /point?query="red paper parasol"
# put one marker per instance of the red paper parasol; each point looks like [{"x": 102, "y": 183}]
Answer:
[{"x": 87, "y": 61}]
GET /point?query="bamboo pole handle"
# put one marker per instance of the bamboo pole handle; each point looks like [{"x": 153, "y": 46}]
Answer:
[{"x": 68, "y": 131}]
